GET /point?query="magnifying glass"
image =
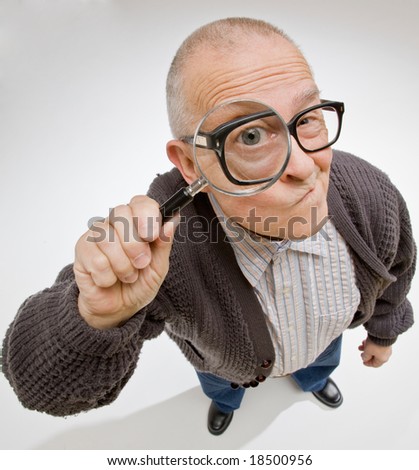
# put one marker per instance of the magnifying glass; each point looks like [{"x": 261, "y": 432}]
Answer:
[{"x": 240, "y": 148}]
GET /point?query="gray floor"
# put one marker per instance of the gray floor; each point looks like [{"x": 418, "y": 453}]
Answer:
[{"x": 380, "y": 410}]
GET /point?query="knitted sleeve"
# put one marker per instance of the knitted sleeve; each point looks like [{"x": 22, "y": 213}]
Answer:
[
  {"x": 58, "y": 364},
  {"x": 375, "y": 221},
  {"x": 393, "y": 313}
]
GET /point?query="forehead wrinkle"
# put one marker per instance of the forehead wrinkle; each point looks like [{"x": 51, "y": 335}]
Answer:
[
  {"x": 302, "y": 98},
  {"x": 219, "y": 84}
]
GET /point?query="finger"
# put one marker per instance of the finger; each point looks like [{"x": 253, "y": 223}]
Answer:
[
  {"x": 126, "y": 227},
  {"x": 368, "y": 362},
  {"x": 366, "y": 357},
  {"x": 377, "y": 363},
  {"x": 162, "y": 246},
  {"x": 91, "y": 266},
  {"x": 374, "y": 362},
  {"x": 147, "y": 217},
  {"x": 119, "y": 260},
  {"x": 109, "y": 262},
  {"x": 167, "y": 232}
]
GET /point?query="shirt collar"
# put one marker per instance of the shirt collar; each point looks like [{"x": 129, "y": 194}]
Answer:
[{"x": 255, "y": 252}]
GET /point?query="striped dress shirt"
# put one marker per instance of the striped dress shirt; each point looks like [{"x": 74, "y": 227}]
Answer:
[{"x": 306, "y": 288}]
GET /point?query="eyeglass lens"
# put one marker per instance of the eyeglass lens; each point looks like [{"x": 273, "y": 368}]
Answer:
[{"x": 318, "y": 128}]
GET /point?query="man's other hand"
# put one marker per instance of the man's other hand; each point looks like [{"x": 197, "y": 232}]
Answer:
[{"x": 374, "y": 355}]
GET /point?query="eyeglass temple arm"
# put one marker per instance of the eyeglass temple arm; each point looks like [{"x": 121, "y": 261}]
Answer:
[
  {"x": 209, "y": 140},
  {"x": 181, "y": 199}
]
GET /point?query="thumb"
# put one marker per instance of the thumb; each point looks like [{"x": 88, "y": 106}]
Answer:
[
  {"x": 162, "y": 246},
  {"x": 167, "y": 232}
]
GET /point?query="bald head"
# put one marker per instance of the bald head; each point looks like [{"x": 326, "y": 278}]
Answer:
[{"x": 217, "y": 41}]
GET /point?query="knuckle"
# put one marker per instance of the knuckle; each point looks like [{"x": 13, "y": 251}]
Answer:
[
  {"x": 144, "y": 205},
  {"x": 100, "y": 264},
  {"x": 139, "y": 199},
  {"x": 119, "y": 214},
  {"x": 101, "y": 271},
  {"x": 120, "y": 208}
]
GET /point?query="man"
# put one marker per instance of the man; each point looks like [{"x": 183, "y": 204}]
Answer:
[{"x": 274, "y": 303}]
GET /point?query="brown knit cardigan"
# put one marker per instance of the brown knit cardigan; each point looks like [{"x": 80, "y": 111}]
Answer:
[{"x": 56, "y": 363}]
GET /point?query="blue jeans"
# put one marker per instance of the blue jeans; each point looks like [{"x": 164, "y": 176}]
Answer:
[{"x": 311, "y": 379}]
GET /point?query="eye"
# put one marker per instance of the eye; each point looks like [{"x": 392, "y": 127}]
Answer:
[
  {"x": 250, "y": 136},
  {"x": 304, "y": 121}
]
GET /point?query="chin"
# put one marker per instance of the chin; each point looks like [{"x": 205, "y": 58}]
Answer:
[{"x": 304, "y": 226}]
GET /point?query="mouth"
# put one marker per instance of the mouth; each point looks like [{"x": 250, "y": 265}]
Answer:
[{"x": 307, "y": 194}]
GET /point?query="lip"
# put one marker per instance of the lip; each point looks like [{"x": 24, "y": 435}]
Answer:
[{"x": 307, "y": 194}]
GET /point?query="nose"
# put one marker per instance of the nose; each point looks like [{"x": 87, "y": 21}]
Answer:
[{"x": 300, "y": 165}]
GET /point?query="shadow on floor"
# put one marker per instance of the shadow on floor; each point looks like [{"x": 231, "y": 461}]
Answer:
[{"x": 180, "y": 423}]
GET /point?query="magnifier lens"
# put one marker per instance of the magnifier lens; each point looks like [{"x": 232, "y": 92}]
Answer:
[{"x": 241, "y": 147}]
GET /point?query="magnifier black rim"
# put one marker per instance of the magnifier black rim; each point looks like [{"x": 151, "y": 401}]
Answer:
[
  {"x": 216, "y": 141},
  {"x": 216, "y": 148}
]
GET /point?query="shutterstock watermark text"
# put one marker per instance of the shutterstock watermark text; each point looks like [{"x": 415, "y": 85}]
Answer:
[{"x": 199, "y": 229}]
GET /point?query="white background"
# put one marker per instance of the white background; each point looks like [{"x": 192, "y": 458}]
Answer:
[{"x": 83, "y": 128}]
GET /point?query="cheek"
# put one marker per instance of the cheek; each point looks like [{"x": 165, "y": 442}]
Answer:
[{"x": 323, "y": 159}]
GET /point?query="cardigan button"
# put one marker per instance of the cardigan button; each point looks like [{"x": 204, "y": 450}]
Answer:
[
  {"x": 266, "y": 364},
  {"x": 254, "y": 384},
  {"x": 234, "y": 386},
  {"x": 246, "y": 385},
  {"x": 260, "y": 378}
]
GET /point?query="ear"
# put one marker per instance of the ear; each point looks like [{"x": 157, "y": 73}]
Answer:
[{"x": 180, "y": 154}]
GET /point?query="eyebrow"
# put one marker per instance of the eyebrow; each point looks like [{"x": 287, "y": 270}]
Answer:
[{"x": 304, "y": 97}]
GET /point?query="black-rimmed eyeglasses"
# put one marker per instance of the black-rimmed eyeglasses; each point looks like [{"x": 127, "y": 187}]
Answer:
[{"x": 314, "y": 128}]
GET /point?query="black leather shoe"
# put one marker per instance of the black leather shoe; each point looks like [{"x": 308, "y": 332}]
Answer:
[
  {"x": 218, "y": 421},
  {"x": 330, "y": 395}
]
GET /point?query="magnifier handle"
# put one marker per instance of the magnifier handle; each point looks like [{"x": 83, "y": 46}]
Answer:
[
  {"x": 175, "y": 203},
  {"x": 181, "y": 198}
]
